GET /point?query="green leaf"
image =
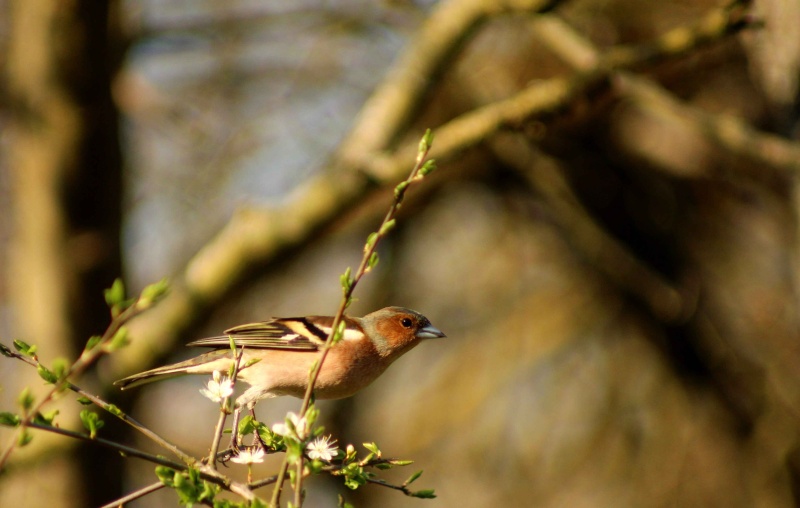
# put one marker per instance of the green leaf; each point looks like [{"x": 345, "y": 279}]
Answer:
[
  {"x": 84, "y": 401},
  {"x": 25, "y": 399},
  {"x": 46, "y": 418},
  {"x": 60, "y": 368},
  {"x": 9, "y": 419},
  {"x": 25, "y": 348},
  {"x": 247, "y": 425},
  {"x": 423, "y": 494},
  {"x": 165, "y": 475},
  {"x": 91, "y": 421},
  {"x": 46, "y": 374},
  {"x": 372, "y": 447},
  {"x": 413, "y": 478},
  {"x": 354, "y": 475},
  {"x": 273, "y": 441}
]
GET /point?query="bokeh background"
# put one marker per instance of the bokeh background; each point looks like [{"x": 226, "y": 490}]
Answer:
[{"x": 610, "y": 242}]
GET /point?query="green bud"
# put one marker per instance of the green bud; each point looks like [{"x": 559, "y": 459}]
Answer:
[
  {"x": 400, "y": 190},
  {"x": 373, "y": 261},
  {"x": 426, "y": 142},
  {"x": 371, "y": 239},
  {"x": 25, "y": 399},
  {"x": 153, "y": 293},
  {"x": 114, "y": 410},
  {"x": 85, "y": 401},
  {"x": 427, "y": 168},
  {"x": 93, "y": 341},
  {"x": 312, "y": 413},
  {"x": 386, "y": 227},
  {"x": 424, "y": 494},
  {"x": 5, "y": 351},
  {"x": 25, "y": 437},
  {"x": 115, "y": 295},
  {"x": 339, "y": 334},
  {"x": 119, "y": 340},
  {"x": 251, "y": 361},
  {"x": 346, "y": 280}
]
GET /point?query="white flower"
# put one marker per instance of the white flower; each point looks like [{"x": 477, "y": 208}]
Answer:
[
  {"x": 294, "y": 427},
  {"x": 219, "y": 387},
  {"x": 247, "y": 456},
  {"x": 322, "y": 448}
]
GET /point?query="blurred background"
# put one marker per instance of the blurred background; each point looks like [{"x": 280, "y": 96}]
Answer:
[{"x": 610, "y": 242}]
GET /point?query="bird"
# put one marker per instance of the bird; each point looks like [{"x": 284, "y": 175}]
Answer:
[{"x": 277, "y": 355}]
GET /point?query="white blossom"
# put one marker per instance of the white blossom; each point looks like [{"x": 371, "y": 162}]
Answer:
[
  {"x": 322, "y": 448},
  {"x": 219, "y": 387},
  {"x": 294, "y": 427},
  {"x": 248, "y": 456}
]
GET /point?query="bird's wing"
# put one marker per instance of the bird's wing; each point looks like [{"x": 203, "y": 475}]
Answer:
[{"x": 299, "y": 334}]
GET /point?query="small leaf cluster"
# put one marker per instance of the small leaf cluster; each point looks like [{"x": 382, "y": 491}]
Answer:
[
  {"x": 92, "y": 422},
  {"x": 58, "y": 373},
  {"x": 191, "y": 489},
  {"x": 355, "y": 473}
]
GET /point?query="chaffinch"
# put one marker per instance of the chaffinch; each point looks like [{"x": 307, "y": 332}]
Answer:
[{"x": 287, "y": 347}]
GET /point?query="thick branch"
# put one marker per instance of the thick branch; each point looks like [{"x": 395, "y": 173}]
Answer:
[{"x": 253, "y": 238}]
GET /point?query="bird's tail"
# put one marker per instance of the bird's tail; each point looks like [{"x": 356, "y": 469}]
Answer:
[{"x": 203, "y": 364}]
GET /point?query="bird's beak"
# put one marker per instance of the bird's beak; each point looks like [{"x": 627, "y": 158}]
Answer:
[{"x": 430, "y": 332}]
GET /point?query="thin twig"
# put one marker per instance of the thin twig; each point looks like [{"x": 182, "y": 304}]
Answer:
[
  {"x": 125, "y": 450},
  {"x": 87, "y": 358},
  {"x": 136, "y": 494},
  {"x": 363, "y": 268},
  {"x": 223, "y": 415},
  {"x": 114, "y": 411},
  {"x": 298, "y": 488},
  {"x": 158, "y": 485},
  {"x": 206, "y": 471}
]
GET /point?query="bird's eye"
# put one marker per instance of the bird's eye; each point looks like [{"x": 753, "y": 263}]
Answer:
[{"x": 406, "y": 322}]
